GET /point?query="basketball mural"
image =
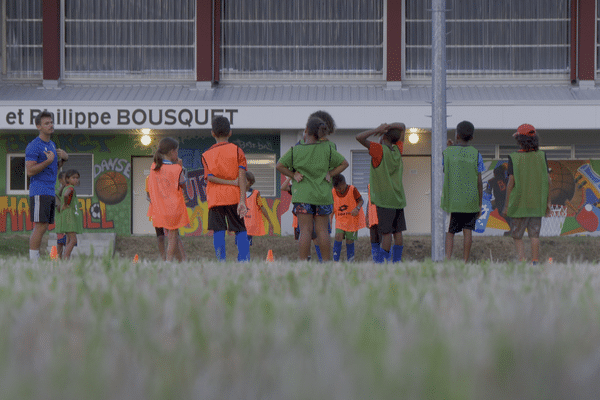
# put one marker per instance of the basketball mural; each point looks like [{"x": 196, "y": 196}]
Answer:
[
  {"x": 111, "y": 187},
  {"x": 107, "y": 181},
  {"x": 574, "y": 194}
]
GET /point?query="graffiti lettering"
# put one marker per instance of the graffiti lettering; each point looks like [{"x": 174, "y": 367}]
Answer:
[
  {"x": 247, "y": 145},
  {"x": 116, "y": 164},
  {"x": 17, "y": 209}
]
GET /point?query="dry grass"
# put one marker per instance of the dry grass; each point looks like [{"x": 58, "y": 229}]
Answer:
[{"x": 416, "y": 248}]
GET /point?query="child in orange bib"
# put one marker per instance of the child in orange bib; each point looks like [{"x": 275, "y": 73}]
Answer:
[
  {"x": 165, "y": 186},
  {"x": 349, "y": 216}
]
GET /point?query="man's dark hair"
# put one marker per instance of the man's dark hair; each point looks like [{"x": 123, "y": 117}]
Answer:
[
  {"x": 220, "y": 126},
  {"x": 43, "y": 114},
  {"x": 464, "y": 130},
  {"x": 338, "y": 180}
]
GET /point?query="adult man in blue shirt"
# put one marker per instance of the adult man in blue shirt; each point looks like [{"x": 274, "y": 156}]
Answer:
[{"x": 42, "y": 161}]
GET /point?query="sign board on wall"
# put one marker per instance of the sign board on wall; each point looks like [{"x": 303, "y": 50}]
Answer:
[{"x": 293, "y": 116}]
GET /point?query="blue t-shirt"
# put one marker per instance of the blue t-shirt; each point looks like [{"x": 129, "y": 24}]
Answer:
[{"x": 44, "y": 182}]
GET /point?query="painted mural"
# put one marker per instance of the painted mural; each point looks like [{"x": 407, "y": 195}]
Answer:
[
  {"x": 109, "y": 209},
  {"x": 574, "y": 194},
  {"x": 190, "y": 151},
  {"x": 197, "y": 206}
]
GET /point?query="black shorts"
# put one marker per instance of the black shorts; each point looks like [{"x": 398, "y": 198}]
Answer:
[
  {"x": 225, "y": 218},
  {"x": 391, "y": 220},
  {"x": 460, "y": 221},
  {"x": 159, "y": 232},
  {"x": 41, "y": 208}
]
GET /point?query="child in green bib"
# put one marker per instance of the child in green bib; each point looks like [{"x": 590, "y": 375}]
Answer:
[
  {"x": 463, "y": 189},
  {"x": 528, "y": 191},
  {"x": 71, "y": 219}
]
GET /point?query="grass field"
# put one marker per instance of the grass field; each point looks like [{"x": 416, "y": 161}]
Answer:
[{"x": 107, "y": 328}]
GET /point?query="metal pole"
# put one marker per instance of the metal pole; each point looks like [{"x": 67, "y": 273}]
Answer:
[{"x": 439, "y": 131}]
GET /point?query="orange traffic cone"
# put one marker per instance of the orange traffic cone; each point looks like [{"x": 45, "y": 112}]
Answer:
[
  {"x": 135, "y": 259},
  {"x": 270, "y": 256},
  {"x": 53, "y": 253}
]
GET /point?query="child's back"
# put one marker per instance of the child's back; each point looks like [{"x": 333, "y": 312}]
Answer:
[
  {"x": 460, "y": 193},
  {"x": 223, "y": 161}
]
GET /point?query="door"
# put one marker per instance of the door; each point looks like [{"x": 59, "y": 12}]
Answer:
[
  {"x": 140, "y": 169},
  {"x": 417, "y": 188}
]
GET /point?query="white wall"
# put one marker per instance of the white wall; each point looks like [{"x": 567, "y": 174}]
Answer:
[{"x": 346, "y": 143}]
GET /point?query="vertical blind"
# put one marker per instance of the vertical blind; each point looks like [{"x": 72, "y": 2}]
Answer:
[
  {"x": 22, "y": 39},
  {"x": 130, "y": 39},
  {"x": 491, "y": 38},
  {"x": 302, "y": 39}
]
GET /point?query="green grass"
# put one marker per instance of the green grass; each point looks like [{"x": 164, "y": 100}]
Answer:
[{"x": 108, "y": 328}]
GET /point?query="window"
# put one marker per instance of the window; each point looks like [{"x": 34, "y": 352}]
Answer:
[
  {"x": 487, "y": 151},
  {"x": 309, "y": 39},
  {"x": 84, "y": 164},
  {"x": 21, "y": 46},
  {"x": 146, "y": 39},
  {"x": 17, "y": 181},
  {"x": 557, "y": 152},
  {"x": 587, "y": 151},
  {"x": 361, "y": 165},
  {"x": 263, "y": 168},
  {"x": 511, "y": 38}
]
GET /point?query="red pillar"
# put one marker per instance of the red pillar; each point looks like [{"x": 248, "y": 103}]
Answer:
[
  {"x": 587, "y": 40},
  {"x": 394, "y": 40},
  {"x": 51, "y": 39},
  {"x": 204, "y": 40},
  {"x": 217, "y": 41}
]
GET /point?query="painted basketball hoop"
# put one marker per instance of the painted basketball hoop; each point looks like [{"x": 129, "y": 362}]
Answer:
[{"x": 552, "y": 225}]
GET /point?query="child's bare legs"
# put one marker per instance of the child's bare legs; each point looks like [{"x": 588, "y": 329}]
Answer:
[
  {"x": 305, "y": 223},
  {"x": 468, "y": 236},
  {"x": 386, "y": 241},
  {"x": 173, "y": 244},
  {"x": 449, "y": 245},
  {"x": 59, "y": 250},
  {"x": 161, "y": 246},
  {"x": 71, "y": 242},
  {"x": 322, "y": 229},
  {"x": 520, "y": 249},
  {"x": 535, "y": 249},
  {"x": 182, "y": 255},
  {"x": 398, "y": 241}
]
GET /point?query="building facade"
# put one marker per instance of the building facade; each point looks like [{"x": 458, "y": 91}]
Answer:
[{"x": 111, "y": 70}]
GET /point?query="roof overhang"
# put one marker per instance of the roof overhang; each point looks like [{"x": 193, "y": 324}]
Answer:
[{"x": 126, "y": 107}]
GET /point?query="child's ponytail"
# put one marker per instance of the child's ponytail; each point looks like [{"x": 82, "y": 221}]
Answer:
[
  {"x": 164, "y": 146},
  {"x": 317, "y": 128}
]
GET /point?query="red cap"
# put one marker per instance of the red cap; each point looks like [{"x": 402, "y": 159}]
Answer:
[{"x": 525, "y": 129}]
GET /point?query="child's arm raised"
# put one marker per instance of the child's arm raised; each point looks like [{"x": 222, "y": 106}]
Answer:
[{"x": 363, "y": 136}]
